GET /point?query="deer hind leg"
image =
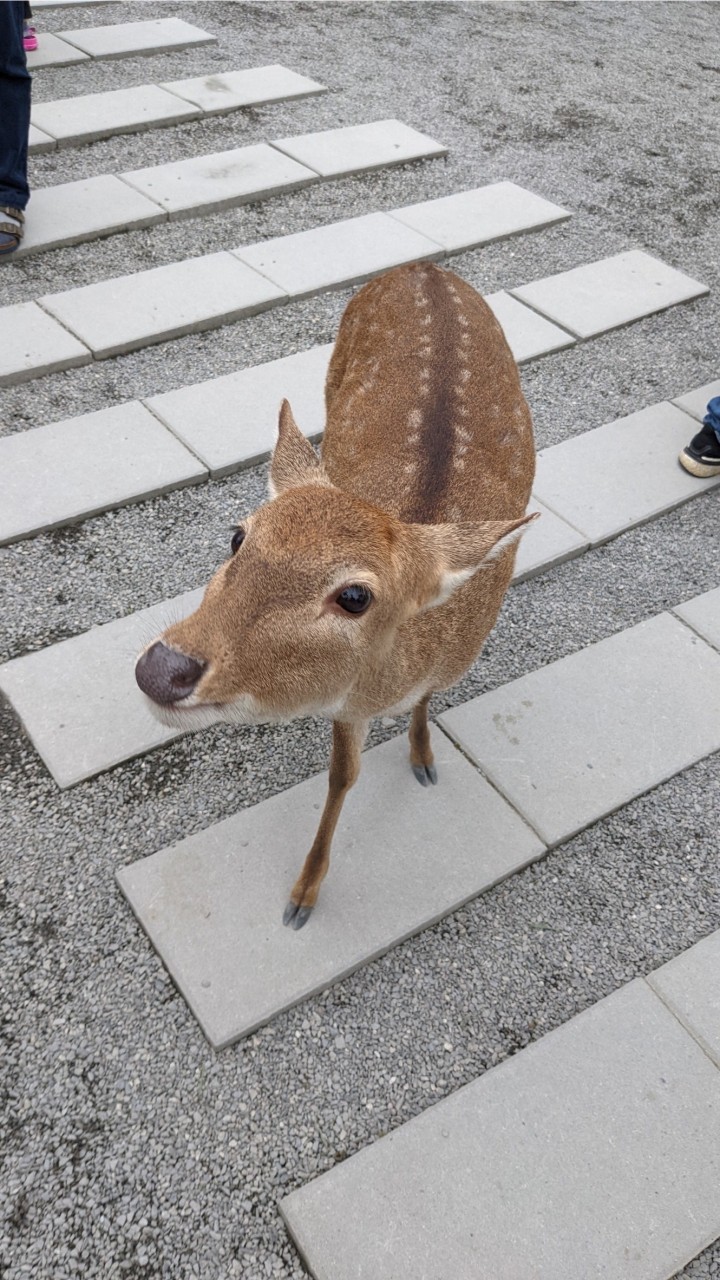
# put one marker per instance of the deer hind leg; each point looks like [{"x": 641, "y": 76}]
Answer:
[
  {"x": 421, "y": 756},
  {"x": 344, "y": 769}
]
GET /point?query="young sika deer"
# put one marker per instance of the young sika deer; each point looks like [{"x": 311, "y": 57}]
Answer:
[{"x": 372, "y": 578}]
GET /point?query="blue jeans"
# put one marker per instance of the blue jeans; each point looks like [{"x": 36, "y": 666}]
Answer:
[
  {"x": 15, "y": 82},
  {"x": 712, "y": 417}
]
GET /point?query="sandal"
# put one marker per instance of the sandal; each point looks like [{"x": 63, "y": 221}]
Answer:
[{"x": 11, "y": 228}]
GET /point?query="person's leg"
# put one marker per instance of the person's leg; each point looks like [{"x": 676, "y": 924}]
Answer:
[
  {"x": 702, "y": 456},
  {"x": 30, "y": 41},
  {"x": 15, "y": 82}
]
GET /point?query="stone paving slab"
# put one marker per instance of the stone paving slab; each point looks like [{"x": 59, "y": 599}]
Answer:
[
  {"x": 38, "y": 142},
  {"x": 97, "y": 115},
  {"x": 605, "y": 295},
  {"x": 232, "y": 421},
  {"x": 581, "y": 737},
  {"x": 341, "y": 253},
  {"x": 128, "y": 39},
  {"x": 33, "y": 344},
  {"x": 76, "y": 211},
  {"x": 78, "y": 699},
  {"x": 67, "y": 471},
  {"x": 361, "y": 147},
  {"x": 68, "y": 4},
  {"x": 703, "y": 615},
  {"x": 696, "y": 402},
  {"x": 690, "y": 987},
  {"x": 226, "y": 91},
  {"x": 403, "y": 857},
  {"x": 53, "y": 51},
  {"x": 219, "y": 181},
  {"x": 134, "y": 311},
  {"x": 621, "y": 474},
  {"x": 593, "y": 1153},
  {"x": 548, "y": 542},
  {"x": 529, "y": 335},
  {"x": 470, "y": 218}
]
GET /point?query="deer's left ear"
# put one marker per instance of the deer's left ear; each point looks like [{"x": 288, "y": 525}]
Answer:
[
  {"x": 294, "y": 461},
  {"x": 458, "y": 551}
]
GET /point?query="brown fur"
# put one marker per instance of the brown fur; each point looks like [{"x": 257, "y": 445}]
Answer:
[{"x": 427, "y": 462}]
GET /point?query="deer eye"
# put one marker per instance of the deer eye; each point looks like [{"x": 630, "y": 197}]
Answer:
[
  {"x": 237, "y": 539},
  {"x": 354, "y": 599}
]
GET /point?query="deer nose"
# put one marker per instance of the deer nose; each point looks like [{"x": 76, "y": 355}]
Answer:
[{"x": 166, "y": 675}]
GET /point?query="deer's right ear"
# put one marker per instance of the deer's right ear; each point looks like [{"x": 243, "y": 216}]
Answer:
[{"x": 294, "y": 461}]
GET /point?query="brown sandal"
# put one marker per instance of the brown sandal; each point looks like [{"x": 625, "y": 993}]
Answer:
[{"x": 11, "y": 233}]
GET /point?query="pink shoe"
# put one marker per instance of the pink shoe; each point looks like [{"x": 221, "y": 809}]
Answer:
[{"x": 30, "y": 40}]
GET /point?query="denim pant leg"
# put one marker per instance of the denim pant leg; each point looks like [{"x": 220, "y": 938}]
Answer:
[
  {"x": 15, "y": 82},
  {"x": 712, "y": 417}
]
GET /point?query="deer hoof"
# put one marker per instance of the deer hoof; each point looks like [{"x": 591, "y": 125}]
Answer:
[
  {"x": 425, "y": 773},
  {"x": 296, "y": 916}
]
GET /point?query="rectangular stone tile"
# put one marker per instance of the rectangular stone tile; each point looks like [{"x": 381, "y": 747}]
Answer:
[
  {"x": 575, "y": 740},
  {"x": 358, "y": 148},
  {"x": 76, "y": 211},
  {"x": 621, "y": 474},
  {"x": 703, "y": 615},
  {"x": 78, "y": 699},
  {"x": 219, "y": 181},
  {"x": 612, "y": 292},
  {"x": 690, "y": 987},
  {"x": 696, "y": 402},
  {"x": 53, "y": 51},
  {"x": 134, "y": 311},
  {"x": 68, "y": 4},
  {"x": 126, "y": 39},
  {"x": 38, "y": 142},
  {"x": 232, "y": 422},
  {"x": 226, "y": 91},
  {"x": 403, "y": 857},
  {"x": 529, "y": 335},
  {"x": 475, "y": 217},
  {"x": 547, "y": 542},
  {"x": 341, "y": 253},
  {"x": 33, "y": 344},
  {"x": 593, "y": 1153},
  {"x": 97, "y": 115},
  {"x": 67, "y": 471}
]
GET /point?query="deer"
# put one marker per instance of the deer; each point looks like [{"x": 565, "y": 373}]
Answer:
[{"x": 373, "y": 575}]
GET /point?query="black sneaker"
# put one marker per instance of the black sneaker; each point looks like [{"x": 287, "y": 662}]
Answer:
[{"x": 701, "y": 457}]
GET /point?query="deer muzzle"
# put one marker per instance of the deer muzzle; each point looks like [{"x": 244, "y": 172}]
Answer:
[{"x": 167, "y": 676}]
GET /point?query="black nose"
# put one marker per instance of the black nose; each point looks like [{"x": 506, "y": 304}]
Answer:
[{"x": 166, "y": 675}]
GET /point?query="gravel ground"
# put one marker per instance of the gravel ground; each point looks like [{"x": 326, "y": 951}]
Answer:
[{"x": 130, "y": 1148}]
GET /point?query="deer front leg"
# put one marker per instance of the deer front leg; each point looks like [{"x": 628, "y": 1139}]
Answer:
[
  {"x": 421, "y": 756},
  {"x": 344, "y": 769}
]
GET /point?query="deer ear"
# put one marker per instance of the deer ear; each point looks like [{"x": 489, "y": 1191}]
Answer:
[
  {"x": 294, "y": 461},
  {"x": 460, "y": 550}
]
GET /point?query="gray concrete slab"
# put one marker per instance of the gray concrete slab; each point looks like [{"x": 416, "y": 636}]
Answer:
[
  {"x": 68, "y": 4},
  {"x": 76, "y": 211},
  {"x": 219, "y": 181},
  {"x": 703, "y": 615},
  {"x": 529, "y": 335},
  {"x": 696, "y": 402},
  {"x": 128, "y": 39},
  {"x": 547, "y": 542},
  {"x": 231, "y": 422},
  {"x": 404, "y": 856},
  {"x": 226, "y": 91},
  {"x": 621, "y": 474},
  {"x": 690, "y": 986},
  {"x": 134, "y": 311},
  {"x": 358, "y": 148},
  {"x": 66, "y": 471},
  {"x": 607, "y": 294},
  {"x": 97, "y": 115},
  {"x": 340, "y": 253},
  {"x": 475, "y": 217},
  {"x": 593, "y": 1153},
  {"x": 580, "y": 737},
  {"x": 38, "y": 142},
  {"x": 78, "y": 699},
  {"x": 53, "y": 51},
  {"x": 33, "y": 343}
]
